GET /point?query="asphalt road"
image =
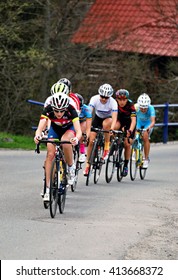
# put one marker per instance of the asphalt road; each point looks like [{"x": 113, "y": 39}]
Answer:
[{"x": 127, "y": 220}]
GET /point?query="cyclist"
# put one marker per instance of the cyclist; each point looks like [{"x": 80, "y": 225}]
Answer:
[
  {"x": 85, "y": 118},
  {"x": 105, "y": 108},
  {"x": 65, "y": 126},
  {"x": 126, "y": 122},
  {"x": 72, "y": 95},
  {"x": 145, "y": 119}
]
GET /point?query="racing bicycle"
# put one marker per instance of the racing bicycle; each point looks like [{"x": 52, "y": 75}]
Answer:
[
  {"x": 136, "y": 158},
  {"x": 96, "y": 161},
  {"x": 115, "y": 159},
  {"x": 58, "y": 178}
]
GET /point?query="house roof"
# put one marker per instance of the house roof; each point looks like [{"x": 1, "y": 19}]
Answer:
[{"x": 146, "y": 26}]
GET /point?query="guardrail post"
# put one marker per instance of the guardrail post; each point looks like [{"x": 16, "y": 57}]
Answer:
[{"x": 165, "y": 121}]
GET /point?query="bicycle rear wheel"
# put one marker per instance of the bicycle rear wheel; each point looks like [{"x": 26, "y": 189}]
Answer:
[
  {"x": 53, "y": 189},
  {"x": 120, "y": 163},
  {"x": 111, "y": 163},
  {"x": 133, "y": 163},
  {"x": 98, "y": 163}
]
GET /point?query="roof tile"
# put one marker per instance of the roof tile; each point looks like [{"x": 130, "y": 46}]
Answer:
[{"x": 131, "y": 26}]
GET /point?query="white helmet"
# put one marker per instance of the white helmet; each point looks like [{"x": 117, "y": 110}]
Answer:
[
  {"x": 59, "y": 88},
  {"x": 105, "y": 90},
  {"x": 59, "y": 101},
  {"x": 144, "y": 100}
]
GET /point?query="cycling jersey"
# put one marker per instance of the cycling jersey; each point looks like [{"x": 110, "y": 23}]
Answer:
[
  {"x": 66, "y": 121},
  {"x": 125, "y": 113},
  {"x": 85, "y": 113},
  {"x": 144, "y": 119},
  {"x": 103, "y": 110}
]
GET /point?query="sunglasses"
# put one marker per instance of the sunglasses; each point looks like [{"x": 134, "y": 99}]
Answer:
[
  {"x": 104, "y": 97},
  {"x": 57, "y": 111},
  {"x": 122, "y": 98}
]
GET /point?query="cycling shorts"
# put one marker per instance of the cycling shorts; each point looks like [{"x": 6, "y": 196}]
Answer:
[
  {"x": 98, "y": 122},
  {"x": 53, "y": 134}
]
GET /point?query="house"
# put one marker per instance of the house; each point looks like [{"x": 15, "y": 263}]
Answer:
[{"x": 135, "y": 26}]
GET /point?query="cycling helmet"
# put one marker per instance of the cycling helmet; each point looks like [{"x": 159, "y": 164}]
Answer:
[
  {"x": 122, "y": 93},
  {"x": 60, "y": 101},
  {"x": 66, "y": 82},
  {"x": 105, "y": 90},
  {"x": 59, "y": 88},
  {"x": 81, "y": 99},
  {"x": 144, "y": 100}
]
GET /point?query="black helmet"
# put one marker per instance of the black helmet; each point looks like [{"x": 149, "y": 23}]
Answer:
[{"x": 81, "y": 99}]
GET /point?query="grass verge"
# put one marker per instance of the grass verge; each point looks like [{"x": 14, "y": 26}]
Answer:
[{"x": 10, "y": 141}]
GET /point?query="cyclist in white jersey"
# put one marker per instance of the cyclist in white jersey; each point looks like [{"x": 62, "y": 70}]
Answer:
[
  {"x": 145, "y": 119},
  {"x": 105, "y": 108}
]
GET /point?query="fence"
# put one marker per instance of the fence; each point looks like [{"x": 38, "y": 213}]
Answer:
[{"x": 165, "y": 124}]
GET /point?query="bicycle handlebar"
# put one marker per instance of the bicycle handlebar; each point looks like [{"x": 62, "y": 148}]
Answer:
[
  {"x": 95, "y": 129},
  {"x": 45, "y": 141}
]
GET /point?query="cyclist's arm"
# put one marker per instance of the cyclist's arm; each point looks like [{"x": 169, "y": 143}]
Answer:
[
  {"x": 41, "y": 126},
  {"x": 88, "y": 126},
  {"x": 133, "y": 123},
  {"x": 152, "y": 123},
  {"x": 114, "y": 120},
  {"x": 77, "y": 128}
]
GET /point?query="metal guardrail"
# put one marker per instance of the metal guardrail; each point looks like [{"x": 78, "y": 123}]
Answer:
[{"x": 165, "y": 124}]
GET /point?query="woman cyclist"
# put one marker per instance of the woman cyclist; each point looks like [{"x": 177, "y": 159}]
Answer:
[
  {"x": 105, "y": 108},
  {"x": 126, "y": 122},
  {"x": 64, "y": 126},
  {"x": 145, "y": 119}
]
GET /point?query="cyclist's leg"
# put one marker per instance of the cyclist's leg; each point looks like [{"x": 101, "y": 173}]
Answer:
[
  {"x": 82, "y": 144},
  {"x": 106, "y": 126},
  {"x": 89, "y": 149},
  {"x": 96, "y": 123},
  {"x": 68, "y": 154}
]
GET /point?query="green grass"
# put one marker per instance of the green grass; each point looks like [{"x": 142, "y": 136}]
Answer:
[{"x": 10, "y": 141}]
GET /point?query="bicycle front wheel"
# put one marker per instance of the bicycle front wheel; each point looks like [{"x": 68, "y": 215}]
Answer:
[
  {"x": 133, "y": 163},
  {"x": 62, "y": 190},
  {"x": 91, "y": 162},
  {"x": 111, "y": 163},
  {"x": 98, "y": 163},
  {"x": 141, "y": 169},
  {"x": 120, "y": 163},
  {"x": 53, "y": 189}
]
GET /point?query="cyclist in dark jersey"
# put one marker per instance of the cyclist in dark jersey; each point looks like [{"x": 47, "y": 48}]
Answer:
[
  {"x": 126, "y": 122},
  {"x": 65, "y": 126}
]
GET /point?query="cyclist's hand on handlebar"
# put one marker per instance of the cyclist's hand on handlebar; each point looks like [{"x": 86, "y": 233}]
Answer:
[
  {"x": 110, "y": 132},
  {"x": 74, "y": 141},
  {"x": 37, "y": 138}
]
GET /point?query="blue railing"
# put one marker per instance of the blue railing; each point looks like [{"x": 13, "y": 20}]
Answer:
[{"x": 165, "y": 124}]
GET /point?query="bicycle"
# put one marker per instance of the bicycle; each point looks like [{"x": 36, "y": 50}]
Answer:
[
  {"x": 95, "y": 161},
  {"x": 136, "y": 158},
  {"x": 115, "y": 158},
  {"x": 58, "y": 178}
]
